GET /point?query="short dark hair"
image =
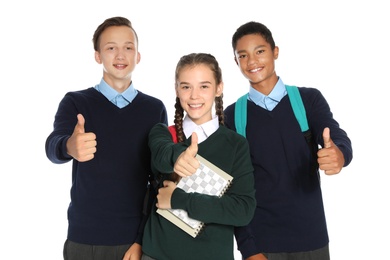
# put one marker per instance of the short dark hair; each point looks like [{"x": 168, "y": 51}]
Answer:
[
  {"x": 253, "y": 28},
  {"x": 113, "y": 21}
]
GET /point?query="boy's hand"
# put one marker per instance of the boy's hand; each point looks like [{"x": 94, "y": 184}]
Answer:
[
  {"x": 330, "y": 158},
  {"x": 81, "y": 145},
  {"x": 134, "y": 252},
  {"x": 257, "y": 257}
]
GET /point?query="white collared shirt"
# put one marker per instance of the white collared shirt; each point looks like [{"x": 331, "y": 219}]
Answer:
[{"x": 203, "y": 131}]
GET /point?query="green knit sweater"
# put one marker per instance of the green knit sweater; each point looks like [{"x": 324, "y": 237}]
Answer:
[{"x": 229, "y": 151}]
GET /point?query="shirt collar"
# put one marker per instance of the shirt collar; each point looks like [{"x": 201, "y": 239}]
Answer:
[
  {"x": 110, "y": 93},
  {"x": 203, "y": 131},
  {"x": 268, "y": 102}
]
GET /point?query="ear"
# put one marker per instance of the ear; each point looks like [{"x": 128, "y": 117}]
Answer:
[
  {"x": 138, "y": 57},
  {"x": 235, "y": 60},
  {"x": 219, "y": 90},
  {"x": 276, "y": 52},
  {"x": 97, "y": 57}
]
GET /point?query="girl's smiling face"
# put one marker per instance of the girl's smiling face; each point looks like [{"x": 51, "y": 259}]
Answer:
[{"x": 196, "y": 88}]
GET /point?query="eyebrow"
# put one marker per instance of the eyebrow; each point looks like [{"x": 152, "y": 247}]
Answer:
[
  {"x": 202, "y": 82},
  {"x": 129, "y": 42},
  {"x": 257, "y": 47},
  {"x": 205, "y": 82}
]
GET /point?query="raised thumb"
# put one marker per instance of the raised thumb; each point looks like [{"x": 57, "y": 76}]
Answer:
[
  {"x": 194, "y": 144},
  {"x": 326, "y": 137},
  {"x": 80, "y": 124}
]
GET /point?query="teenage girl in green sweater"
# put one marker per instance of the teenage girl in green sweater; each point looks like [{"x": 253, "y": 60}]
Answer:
[{"x": 199, "y": 89}]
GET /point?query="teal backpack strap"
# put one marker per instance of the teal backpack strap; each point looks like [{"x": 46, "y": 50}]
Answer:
[
  {"x": 296, "y": 103},
  {"x": 240, "y": 115},
  {"x": 298, "y": 107},
  {"x": 300, "y": 114}
]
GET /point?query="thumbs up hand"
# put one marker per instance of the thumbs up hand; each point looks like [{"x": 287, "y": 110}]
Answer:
[
  {"x": 81, "y": 146},
  {"x": 330, "y": 158},
  {"x": 326, "y": 137},
  {"x": 186, "y": 164}
]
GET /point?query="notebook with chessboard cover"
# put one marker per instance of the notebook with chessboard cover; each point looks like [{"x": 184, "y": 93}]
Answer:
[{"x": 208, "y": 179}]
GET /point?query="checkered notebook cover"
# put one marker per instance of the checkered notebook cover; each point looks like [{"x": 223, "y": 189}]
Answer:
[{"x": 208, "y": 179}]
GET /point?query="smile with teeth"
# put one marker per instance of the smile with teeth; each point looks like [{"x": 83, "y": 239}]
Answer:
[
  {"x": 255, "y": 70},
  {"x": 194, "y": 105}
]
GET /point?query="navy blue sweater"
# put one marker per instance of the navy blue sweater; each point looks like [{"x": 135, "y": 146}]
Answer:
[
  {"x": 107, "y": 192},
  {"x": 290, "y": 215}
]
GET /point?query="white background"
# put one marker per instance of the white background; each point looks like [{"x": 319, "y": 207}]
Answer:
[{"x": 339, "y": 47}]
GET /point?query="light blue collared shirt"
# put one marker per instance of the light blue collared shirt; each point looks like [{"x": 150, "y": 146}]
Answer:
[
  {"x": 119, "y": 99},
  {"x": 268, "y": 102},
  {"x": 203, "y": 131}
]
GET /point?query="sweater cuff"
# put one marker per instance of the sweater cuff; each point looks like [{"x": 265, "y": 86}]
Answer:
[
  {"x": 179, "y": 199},
  {"x": 64, "y": 151}
]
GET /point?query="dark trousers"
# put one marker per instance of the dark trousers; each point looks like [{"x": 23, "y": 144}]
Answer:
[
  {"x": 319, "y": 254},
  {"x": 76, "y": 251}
]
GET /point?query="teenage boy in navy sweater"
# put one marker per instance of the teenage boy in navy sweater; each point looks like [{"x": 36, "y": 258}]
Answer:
[
  {"x": 104, "y": 131},
  {"x": 289, "y": 221}
]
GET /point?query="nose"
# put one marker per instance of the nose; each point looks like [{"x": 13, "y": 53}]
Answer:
[
  {"x": 251, "y": 59},
  {"x": 120, "y": 55},
  {"x": 194, "y": 93}
]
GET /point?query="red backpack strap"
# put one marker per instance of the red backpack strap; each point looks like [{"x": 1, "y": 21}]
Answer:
[{"x": 172, "y": 130}]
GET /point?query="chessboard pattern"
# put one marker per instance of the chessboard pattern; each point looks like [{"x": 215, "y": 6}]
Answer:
[{"x": 209, "y": 183}]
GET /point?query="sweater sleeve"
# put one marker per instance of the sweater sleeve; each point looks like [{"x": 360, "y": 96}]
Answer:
[
  {"x": 64, "y": 123},
  {"x": 320, "y": 116},
  {"x": 237, "y": 206},
  {"x": 164, "y": 151}
]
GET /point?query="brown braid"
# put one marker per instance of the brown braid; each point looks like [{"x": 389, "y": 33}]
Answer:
[
  {"x": 219, "y": 109},
  {"x": 179, "y": 113}
]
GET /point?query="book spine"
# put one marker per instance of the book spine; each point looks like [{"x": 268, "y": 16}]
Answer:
[{"x": 229, "y": 183}]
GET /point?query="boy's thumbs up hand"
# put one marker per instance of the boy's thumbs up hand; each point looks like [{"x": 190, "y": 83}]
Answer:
[
  {"x": 330, "y": 158},
  {"x": 80, "y": 145},
  {"x": 326, "y": 137},
  {"x": 186, "y": 164},
  {"x": 79, "y": 128}
]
